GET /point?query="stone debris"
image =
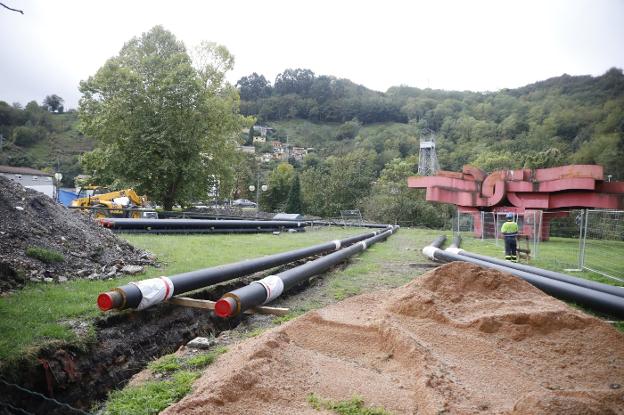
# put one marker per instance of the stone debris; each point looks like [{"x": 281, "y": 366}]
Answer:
[
  {"x": 132, "y": 269},
  {"x": 201, "y": 343},
  {"x": 30, "y": 219}
]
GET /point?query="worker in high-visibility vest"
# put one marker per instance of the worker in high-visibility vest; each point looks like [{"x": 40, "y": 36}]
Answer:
[{"x": 510, "y": 232}]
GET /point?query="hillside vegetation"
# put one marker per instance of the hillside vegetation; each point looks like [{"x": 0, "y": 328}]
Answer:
[
  {"x": 365, "y": 143},
  {"x": 36, "y": 137},
  {"x": 578, "y": 118}
]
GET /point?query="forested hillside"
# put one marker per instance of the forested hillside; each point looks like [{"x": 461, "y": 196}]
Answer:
[
  {"x": 579, "y": 118},
  {"x": 366, "y": 142},
  {"x": 43, "y": 137}
]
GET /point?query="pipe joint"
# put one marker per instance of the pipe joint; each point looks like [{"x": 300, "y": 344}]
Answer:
[{"x": 429, "y": 251}]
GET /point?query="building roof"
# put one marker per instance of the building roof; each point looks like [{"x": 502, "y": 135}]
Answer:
[{"x": 23, "y": 170}]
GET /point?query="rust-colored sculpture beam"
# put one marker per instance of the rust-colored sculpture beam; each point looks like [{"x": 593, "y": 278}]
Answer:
[{"x": 565, "y": 187}]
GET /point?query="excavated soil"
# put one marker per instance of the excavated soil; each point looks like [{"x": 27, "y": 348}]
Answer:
[
  {"x": 30, "y": 219},
  {"x": 458, "y": 340}
]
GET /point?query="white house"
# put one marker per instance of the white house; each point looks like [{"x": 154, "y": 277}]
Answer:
[
  {"x": 247, "y": 149},
  {"x": 259, "y": 139},
  {"x": 33, "y": 179}
]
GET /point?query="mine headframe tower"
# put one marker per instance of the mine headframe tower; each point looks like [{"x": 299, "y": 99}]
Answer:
[{"x": 428, "y": 160}]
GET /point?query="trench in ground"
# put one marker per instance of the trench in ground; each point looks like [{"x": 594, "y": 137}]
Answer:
[{"x": 125, "y": 343}]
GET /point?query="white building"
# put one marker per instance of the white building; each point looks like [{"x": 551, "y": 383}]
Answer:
[
  {"x": 33, "y": 179},
  {"x": 247, "y": 149}
]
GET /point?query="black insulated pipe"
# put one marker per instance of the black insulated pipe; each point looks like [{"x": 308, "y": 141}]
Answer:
[
  {"x": 456, "y": 242},
  {"x": 438, "y": 242},
  {"x": 271, "y": 287},
  {"x": 148, "y": 292},
  {"x": 124, "y": 223},
  {"x": 596, "y": 300},
  {"x": 344, "y": 224},
  {"x": 610, "y": 289},
  {"x": 206, "y": 230}
]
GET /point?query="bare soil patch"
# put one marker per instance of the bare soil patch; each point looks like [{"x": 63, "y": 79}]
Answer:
[{"x": 459, "y": 339}]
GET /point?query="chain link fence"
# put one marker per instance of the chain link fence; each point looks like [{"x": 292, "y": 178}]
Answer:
[
  {"x": 486, "y": 226},
  {"x": 582, "y": 239},
  {"x": 602, "y": 242}
]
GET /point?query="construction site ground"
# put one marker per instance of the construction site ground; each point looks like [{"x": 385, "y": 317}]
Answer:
[
  {"x": 463, "y": 332},
  {"x": 470, "y": 341}
]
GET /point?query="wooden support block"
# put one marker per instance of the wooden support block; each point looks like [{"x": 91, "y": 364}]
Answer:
[{"x": 209, "y": 305}]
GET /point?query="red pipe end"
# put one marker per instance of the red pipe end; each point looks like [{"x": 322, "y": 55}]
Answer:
[
  {"x": 225, "y": 307},
  {"x": 105, "y": 301}
]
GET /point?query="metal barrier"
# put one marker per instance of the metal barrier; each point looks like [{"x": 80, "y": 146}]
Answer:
[{"x": 602, "y": 242}]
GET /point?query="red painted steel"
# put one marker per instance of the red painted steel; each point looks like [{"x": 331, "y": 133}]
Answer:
[
  {"x": 592, "y": 171},
  {"x": 565, "y": 187},
  {"x": 529, "y": 200},
  {"x": 572, "y": 186}
]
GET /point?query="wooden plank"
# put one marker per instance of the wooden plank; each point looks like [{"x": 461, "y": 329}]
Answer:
[
  {"x": 192, "y": 302},
  {"x": 209, "y": 305}
]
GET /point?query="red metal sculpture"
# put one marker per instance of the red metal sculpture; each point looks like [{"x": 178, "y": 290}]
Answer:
[{"x": 553, "y": 189}]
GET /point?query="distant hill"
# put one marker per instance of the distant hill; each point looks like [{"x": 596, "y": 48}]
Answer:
[
  {"x": 581, "y": 117},
  {"x": 566, "y": 119},
  {"x": 35, "y": 137}
]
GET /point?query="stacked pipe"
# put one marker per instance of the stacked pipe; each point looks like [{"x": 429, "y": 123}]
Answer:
[
  {"x": 348, "y": 224},
  {"x": 600, "y": 297},
  {"x": 199, "y": 225},
  {"x": 143, "y": 294},
  {"x": 271, "y": 287}
]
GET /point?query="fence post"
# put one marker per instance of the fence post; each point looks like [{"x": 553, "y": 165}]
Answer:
[{"x": 582, "y": 239}]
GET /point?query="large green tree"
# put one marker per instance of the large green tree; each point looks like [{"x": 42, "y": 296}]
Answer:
[
  {"x": 53, "y": 103},
  {"x": 164, "y": 125},
  {"x": 293, "y": 203},
  {"x": 279, "y": 183},
  {"x": 391, "y": 201}
]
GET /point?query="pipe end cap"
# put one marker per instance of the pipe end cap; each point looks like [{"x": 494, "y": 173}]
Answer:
[
  {"x": 105, "y": 301},
  {"x": 224, "y": 307}
]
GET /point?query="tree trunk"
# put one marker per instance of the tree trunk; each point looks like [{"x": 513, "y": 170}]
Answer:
[{"x": 168, "y": 203}]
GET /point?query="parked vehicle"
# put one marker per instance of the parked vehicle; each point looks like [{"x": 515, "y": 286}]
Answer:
[{"x": 243, "y": 203}]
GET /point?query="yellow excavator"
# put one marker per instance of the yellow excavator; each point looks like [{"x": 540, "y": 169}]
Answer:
[{"x": 119, "y": 204}]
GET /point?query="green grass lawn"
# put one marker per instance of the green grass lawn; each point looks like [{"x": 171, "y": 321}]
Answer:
[{"x": 45, "y": 313}]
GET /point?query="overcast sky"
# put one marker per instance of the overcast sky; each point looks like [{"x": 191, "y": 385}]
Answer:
[{"x": 463, "y": 45}]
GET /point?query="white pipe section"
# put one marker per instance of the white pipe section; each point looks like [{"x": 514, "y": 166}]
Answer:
[
  {"x": 154, "y": 291},
  {"x": 273, "y": 285}
]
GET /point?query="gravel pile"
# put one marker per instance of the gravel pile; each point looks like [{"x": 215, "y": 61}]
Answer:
[{"x": 42, "y": 241}]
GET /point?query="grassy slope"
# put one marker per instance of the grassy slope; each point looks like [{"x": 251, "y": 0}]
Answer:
[
  {"x": 322, "y": 135},
  {"x": 61, "y": 148},
  {"x": 43, "y": 313}
]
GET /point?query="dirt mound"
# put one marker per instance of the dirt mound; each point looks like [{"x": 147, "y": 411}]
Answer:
[
  {"x": 466, "y": 295},
  {"x": 32, "y": 222},
  {"x": 457, "y": 340}
]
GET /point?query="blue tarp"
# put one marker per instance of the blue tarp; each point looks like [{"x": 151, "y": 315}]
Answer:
[{"x": 65, "y": 196}]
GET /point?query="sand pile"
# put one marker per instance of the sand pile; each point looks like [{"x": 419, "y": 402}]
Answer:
[
  {"x": 29, "y": 219},
  {"x": 458, "y": 340}
]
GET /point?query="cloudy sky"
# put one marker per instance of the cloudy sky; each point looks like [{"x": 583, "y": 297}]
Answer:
[{"x": 465, "y": 45}]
